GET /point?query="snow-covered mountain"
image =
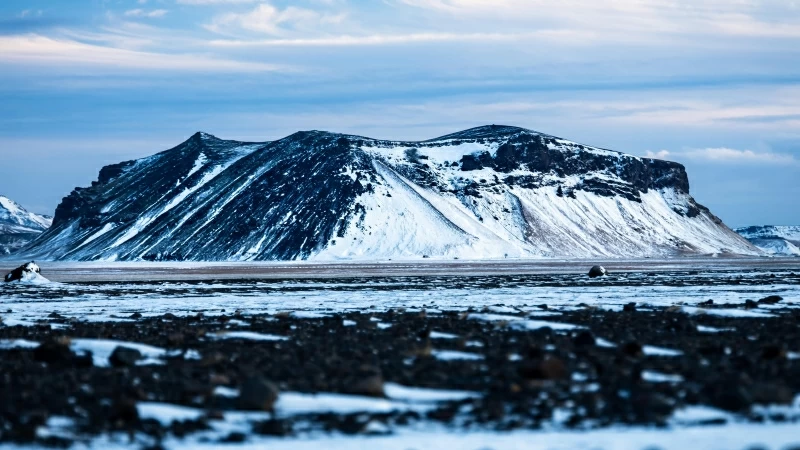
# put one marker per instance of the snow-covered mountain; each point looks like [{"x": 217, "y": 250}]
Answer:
[
  {"x": 18, "y": 226},
  {"x": 774, "y": 240},
  {"x": 487, "y": 192}
]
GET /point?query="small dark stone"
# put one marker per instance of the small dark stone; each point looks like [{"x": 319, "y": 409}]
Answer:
[
  {"x": 55, "y": 315},
  {"x": 124, "y": 412},
  {"x": 584, "y": 339},
  {"x": 169, "y": 316},
  {"x": 235, "y": 438},
  {"x": 273, "y": 427},
  {"x": 548, "y": 369},
  {"x": 771, "y": 300},
  {"x": 54, "y": 351},
  {"x": 749, "y": 304},
  {"x": 371, "y": 385},
  {"x": 773, "y": 352},
  {"x": 258, "y": 394},
  {"x": 136, "y": 315},
  {"x": 706, "y": 303},
  {"x": 124, "y": 357},
  {"x": 630, "y": 307},
  {"x": 597, "y": 271},
  {"x": 632, "y": 349}
]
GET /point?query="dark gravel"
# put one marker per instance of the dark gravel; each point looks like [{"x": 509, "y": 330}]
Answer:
[{"x": 524, "y": 379}]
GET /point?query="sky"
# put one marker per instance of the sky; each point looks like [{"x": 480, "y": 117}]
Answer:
[{"x": 713, "y": 84}]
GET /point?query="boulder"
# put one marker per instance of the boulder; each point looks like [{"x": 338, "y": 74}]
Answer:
[
  {"x": 597, "y": 271},
  {"x": 258, "y": 394},
  {"x": 124, "y": 357},
  {"x": 25, "y": 273}
]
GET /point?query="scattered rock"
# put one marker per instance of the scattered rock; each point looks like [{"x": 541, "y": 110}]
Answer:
[
  {"x": 584, "y": 339},
  {"x": 630, "y": 307},
  {"x": 547, "y": 369},
  {"x": 773, "y": 352},
  {"x": 25, "y": 272},
  {"x": 597, "y": 271},
  {"x": 124, "y": 357},
  {"x": 706, "y": 303},
  {"x": 54, "y": 351},
  {"x": 136, "y": 315},
  {"x": 771, "y": 300},
  {"x": 258, "y": 394},
  {"x": 369, "y": 381},
  {"x": 633, "y": 349},
  {"x": 749, "y": 304}
]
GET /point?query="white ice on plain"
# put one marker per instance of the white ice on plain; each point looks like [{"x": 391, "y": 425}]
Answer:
[{"x": 246, "y": 335}]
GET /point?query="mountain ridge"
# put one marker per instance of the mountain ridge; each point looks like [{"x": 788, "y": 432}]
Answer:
[
  {"x": 777, "y": 240},
  {"x": 486, "y": 192},
  {"x": 18, "y": 226}
]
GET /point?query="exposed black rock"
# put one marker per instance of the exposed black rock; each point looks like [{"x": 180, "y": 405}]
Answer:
[
  {"x": 597, "y": 271},
  {"x": 771, "y": 300},
  {"x": 23, "y": 272},
  {"x": 258, "y": 394},
  {"x": 124, "y": 357}
]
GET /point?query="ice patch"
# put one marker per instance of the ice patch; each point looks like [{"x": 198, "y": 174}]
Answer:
[
  {"x": 453, "y": 355},
  {"x": 650, "y": 350},
  {"x": 657, "y": 377},
  {"x": 247, "y": 335}
]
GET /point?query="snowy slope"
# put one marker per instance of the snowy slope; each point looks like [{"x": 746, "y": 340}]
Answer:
[
  {"x": 18, "y": 226},
  {"x": 774, "y": 240},
  {"x": 488, "y": 192}
]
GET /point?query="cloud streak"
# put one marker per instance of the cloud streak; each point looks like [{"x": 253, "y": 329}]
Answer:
[
  {"x": 39, "y": 50},
  {"x": 727, "y": 156},
  {"x": 152, "y": 14}
]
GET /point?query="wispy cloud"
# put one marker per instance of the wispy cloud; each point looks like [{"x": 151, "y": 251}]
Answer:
[
  {"x": 268, "y": 19},
  {"x": 31, "y": 13},
  {"x": 41, "y": 50},
  {"x": 661, "y": 154},
  {"x": 727, "y": 155},
  {"x": 152, "y": 14},
  {"x": 215, "y": 2}
]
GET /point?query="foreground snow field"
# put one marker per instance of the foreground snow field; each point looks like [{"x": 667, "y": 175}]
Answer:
[{"x": 474, "y": 326}]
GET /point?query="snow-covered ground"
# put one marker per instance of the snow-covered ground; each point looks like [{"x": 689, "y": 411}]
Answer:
[
  {"x": 495, "y": 297},
  {"x": 479, "y": 285}
]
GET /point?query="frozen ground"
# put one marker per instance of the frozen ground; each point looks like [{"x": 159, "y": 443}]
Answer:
[
  {"x": 511, "y": 293},
  {"x": 86, "y": 290}
]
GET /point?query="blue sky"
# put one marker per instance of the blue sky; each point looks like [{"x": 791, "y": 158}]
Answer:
[{"x": 713, "y": 84}]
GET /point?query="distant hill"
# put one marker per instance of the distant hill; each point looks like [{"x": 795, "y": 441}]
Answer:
[
  {"x": 18, "y": 226},
  {"x": 774, "y": 240}
]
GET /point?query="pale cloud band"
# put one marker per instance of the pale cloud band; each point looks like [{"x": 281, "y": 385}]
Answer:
[{"x": 727, "y": 155}]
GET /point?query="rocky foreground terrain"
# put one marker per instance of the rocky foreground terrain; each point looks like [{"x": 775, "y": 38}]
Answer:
[{"x": 234, "y": 377}]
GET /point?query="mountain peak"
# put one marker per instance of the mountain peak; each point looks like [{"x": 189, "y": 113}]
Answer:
[
  {"x": 203, "y": 136},
  {"x": 486, "y": 131}
]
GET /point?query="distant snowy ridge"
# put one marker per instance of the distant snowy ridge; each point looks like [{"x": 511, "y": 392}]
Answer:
[
  {"x": 487, "y": 192},
  {"x": 18, "y": 226},
  {"x": 774, "y": 240}
]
